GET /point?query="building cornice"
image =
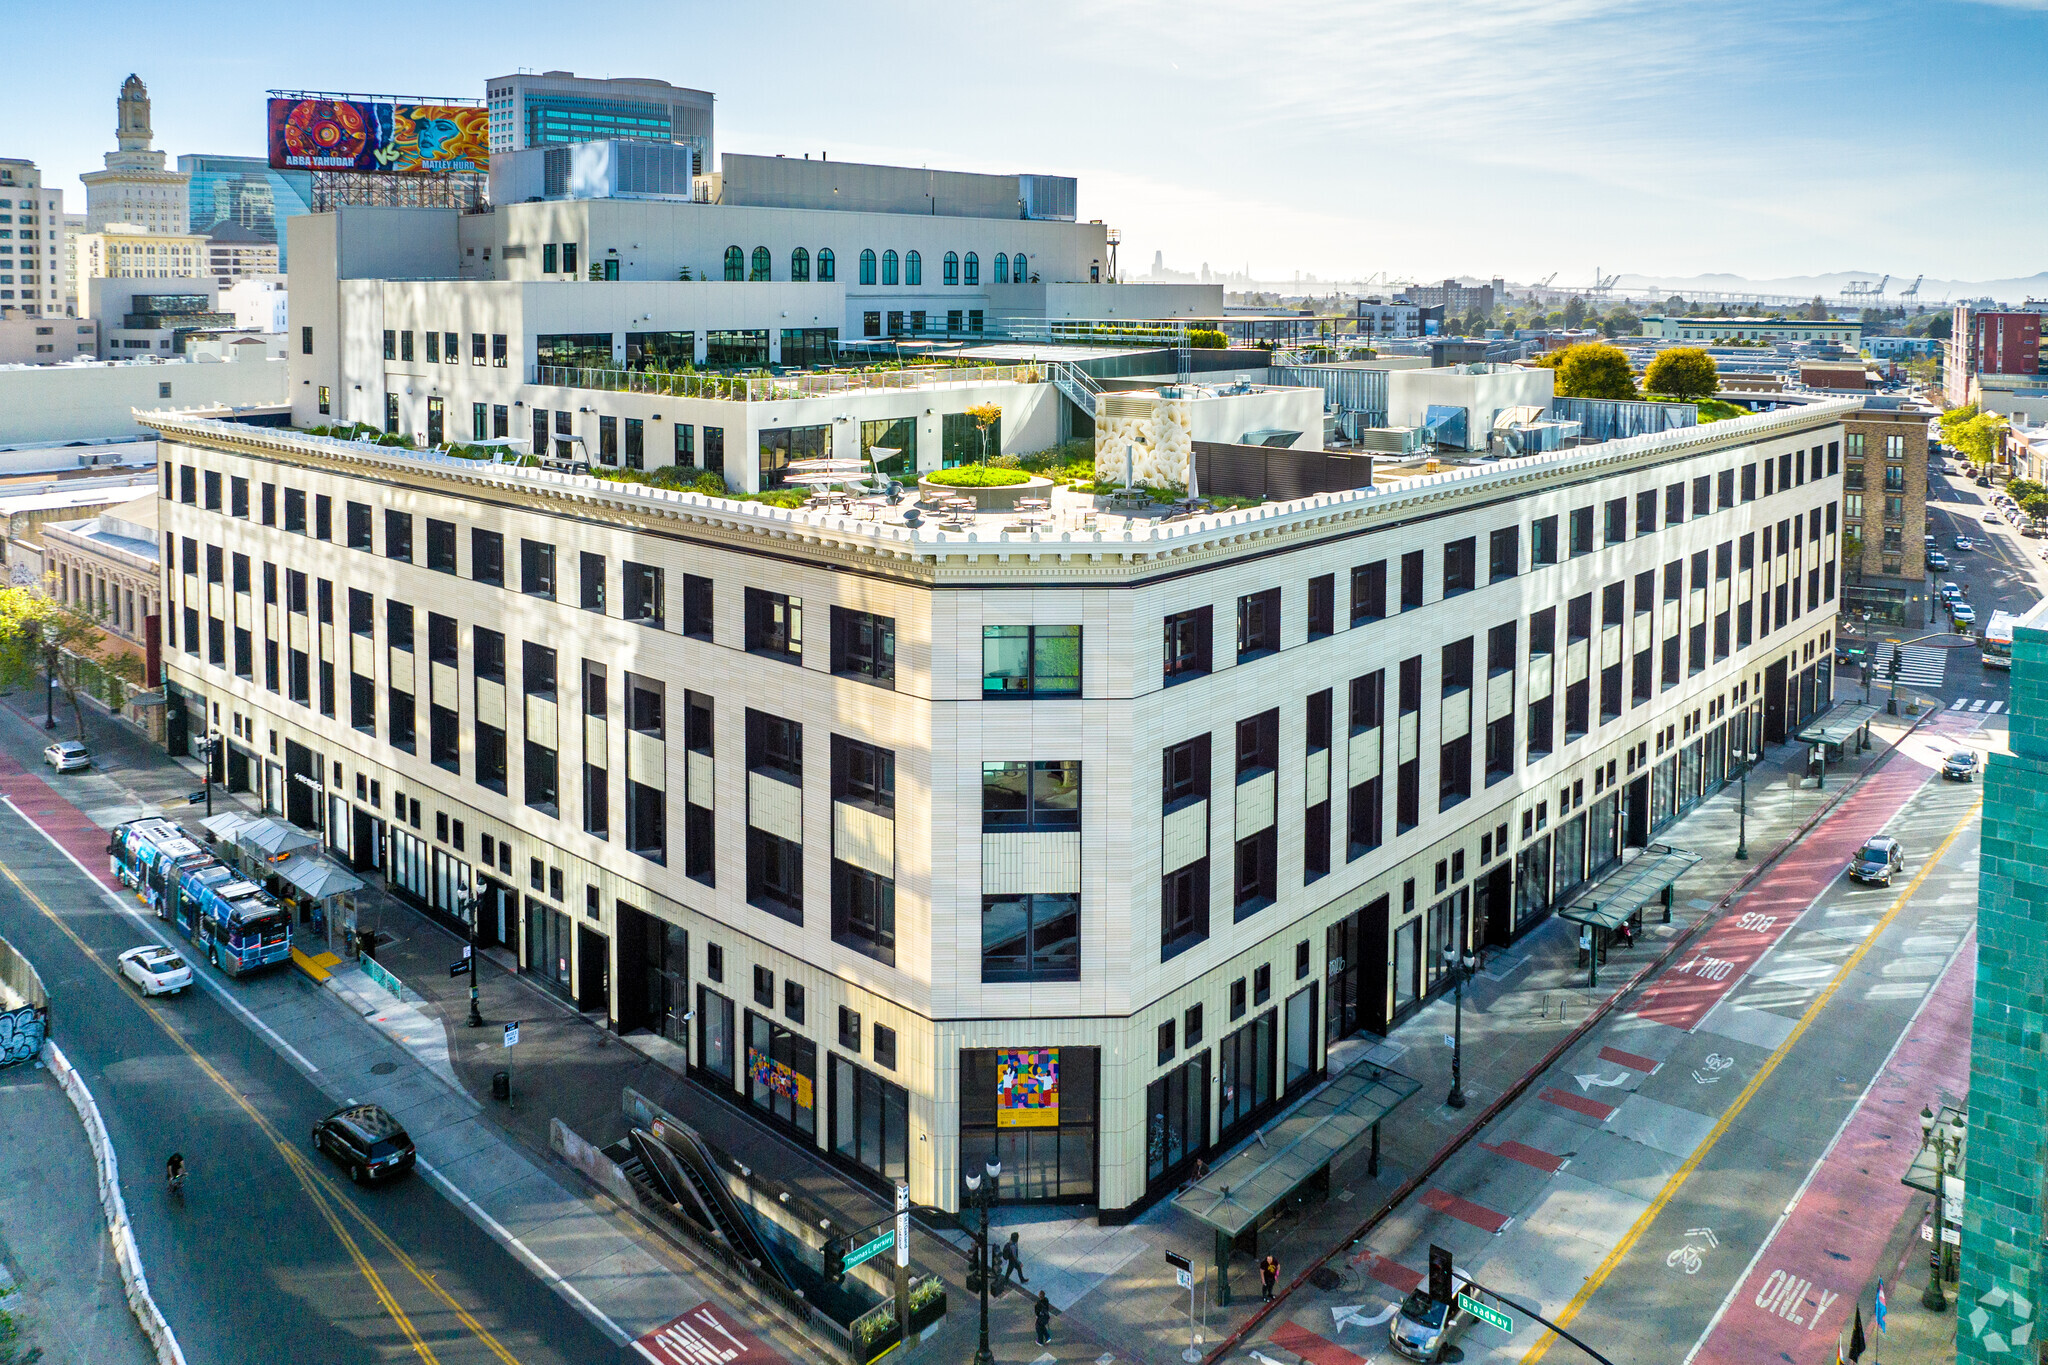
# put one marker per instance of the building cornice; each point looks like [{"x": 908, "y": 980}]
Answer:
[{"x": 938, "y": 557}]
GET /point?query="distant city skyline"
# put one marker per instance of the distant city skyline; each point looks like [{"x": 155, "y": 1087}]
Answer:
[{"x": 1472, "y": 137}]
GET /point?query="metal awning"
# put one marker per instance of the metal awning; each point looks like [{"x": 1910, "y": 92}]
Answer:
[
  {"x": 226, "y": 825},
  {"x": 273, "y": 839},
  {"x": 1839, "y": 724},
  {"x": 1240, "y": 1191},
  {"x": 1920, "y": 1175},
  {"x": 317, "y": 876},
  {"x": 1610, "y": 902}
]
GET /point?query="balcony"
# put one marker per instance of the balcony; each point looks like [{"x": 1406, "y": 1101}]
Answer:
[{"x": 777, "y": 388}]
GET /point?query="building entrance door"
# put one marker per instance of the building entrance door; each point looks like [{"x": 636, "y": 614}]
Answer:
[
  {"x": 1635, "y": 812},
  {"x": 1774, "y": 703},
  {"x": 1493, "y": 900}
]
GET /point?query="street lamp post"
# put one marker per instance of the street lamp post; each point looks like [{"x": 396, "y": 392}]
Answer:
[
  {"x": 1460, "y": 966},
  {"x": 207, "y": 751},
  {"x": 469, "y": 907},
  {"x": 49, "y": 679},
  {"x": 1947, "y": 1142},
  {"x": 982, "y": 1193},
  {"x": 1742, "y": 818}
]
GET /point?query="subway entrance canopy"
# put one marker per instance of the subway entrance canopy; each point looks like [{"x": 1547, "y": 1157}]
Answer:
[{"x": 1238, "y": 1194}]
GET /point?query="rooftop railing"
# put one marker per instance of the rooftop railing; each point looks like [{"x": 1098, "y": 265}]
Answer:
[{"x": 776, "y": 388}]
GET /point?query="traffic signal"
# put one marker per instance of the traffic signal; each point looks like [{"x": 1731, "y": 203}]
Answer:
[
  {"x": 1440, "y": 1275},
  {"x": 1898, "y": 661},
  {"x": 835, "y": 1260}
]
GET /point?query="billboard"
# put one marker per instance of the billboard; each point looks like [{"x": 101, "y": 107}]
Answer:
[{"x": 308, "y": 133}]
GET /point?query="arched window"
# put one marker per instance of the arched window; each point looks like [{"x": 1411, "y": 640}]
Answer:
[
  {"x": 764, "y": 264},
  {"x": 952, "y": 268},
  {"x": 799, "y": 264},
  {"x": 888, "y": 267},
  {"x": 735, "y": 263},
  {"x": 1002, "y": 263},
  {"x": 828, "y": 269},
  {"x": 973, "y": 269},
  {"x": 913, "y": 268},
  {"x": 867, "y": 265},
  {"x": 1020, "y": 269}
]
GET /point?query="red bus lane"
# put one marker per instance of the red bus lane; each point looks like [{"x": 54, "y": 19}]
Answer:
[
  {"x": 1718, "y": 959},
  {"x": 1807, "y": 1279}
]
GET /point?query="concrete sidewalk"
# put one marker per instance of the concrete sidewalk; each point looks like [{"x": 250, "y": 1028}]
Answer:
[{"x": 58, "y": 1280}]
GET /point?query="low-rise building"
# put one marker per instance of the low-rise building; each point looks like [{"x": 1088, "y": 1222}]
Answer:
[
  {"x": 238, "y": 252},
  {"x": 28, "y": 506},
  {"x": 1455, "y": 298},
  {"x": 88, "y": 399},
  {"x": 153, "y": 316},
  {"x": 1378, "y": 318},
  {"x": 1076, "y": 847},
  {"x": 45, "y": 339},
  {"x": 106, "y": 566},
  {"x": 130, "y": 251},
  {"x": 1720, "y": 331}
]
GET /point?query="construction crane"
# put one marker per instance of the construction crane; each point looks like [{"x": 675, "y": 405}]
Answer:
[
  {"x": 1864, "y": 289},
  {"x": 1912, "y": 295},
  {"x": 1601, "y": 284}
]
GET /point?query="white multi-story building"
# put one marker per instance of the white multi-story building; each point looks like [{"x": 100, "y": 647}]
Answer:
[
  {"x": 74, "y": 228},
  {"x": 236, "y": 252},
  {"x": 135, "y": 188},
  {"x": 1074, "y": 847},
  {"x": 36, "y": 339},
  {"x": 123, "y": 251},
  {"x": 32, "y": 243}
]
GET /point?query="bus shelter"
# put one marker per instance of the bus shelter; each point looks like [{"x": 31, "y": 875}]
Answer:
[
  {"x": 1841, "y": 724},
  {"x": 317, "y": 887},
  {"x": 1618, "y": 899},
  {"x": 1290, "y": 1160}
]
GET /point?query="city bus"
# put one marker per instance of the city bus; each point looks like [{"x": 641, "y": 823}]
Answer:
[
  {"x": 1998, "y": 639},
  {"x": 234, "y": 923},
  {"x": 150, "y": 857}
]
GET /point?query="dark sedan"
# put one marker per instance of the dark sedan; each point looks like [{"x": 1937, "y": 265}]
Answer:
[{"x": 367, "y": 1141}]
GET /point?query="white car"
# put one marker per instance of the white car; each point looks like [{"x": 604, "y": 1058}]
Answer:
[
  {"x": 155, "y": 969},
  {"x": 67, "y": 754}
]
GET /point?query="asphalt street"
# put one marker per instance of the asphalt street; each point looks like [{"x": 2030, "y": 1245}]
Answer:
[{"x": 269, "y": 1253}]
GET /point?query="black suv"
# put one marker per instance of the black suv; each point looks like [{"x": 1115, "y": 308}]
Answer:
[{"x": 367, "y": 1140}]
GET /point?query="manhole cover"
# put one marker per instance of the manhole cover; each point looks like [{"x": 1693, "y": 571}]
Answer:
[
  {"x": 1324, "y": 1278},
  {"x": 383, "y": 1068}
]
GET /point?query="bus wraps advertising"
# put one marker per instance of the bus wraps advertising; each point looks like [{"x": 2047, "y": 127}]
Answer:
[{"x": 319, "y": 134}]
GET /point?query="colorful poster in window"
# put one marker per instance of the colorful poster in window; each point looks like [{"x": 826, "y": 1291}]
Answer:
[
  {"x": 378, "y": 135},
  {"x": 1027, "y": 1087},
  {"x": 778, "y": 1078}
]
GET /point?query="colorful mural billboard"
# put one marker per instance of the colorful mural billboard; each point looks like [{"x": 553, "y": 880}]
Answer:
[
  {"x": 1027, "y": 1087},
  {"x": 378, "y": 135}
]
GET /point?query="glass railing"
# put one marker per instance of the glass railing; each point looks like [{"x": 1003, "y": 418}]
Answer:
[{"x": 773, "y": 388}]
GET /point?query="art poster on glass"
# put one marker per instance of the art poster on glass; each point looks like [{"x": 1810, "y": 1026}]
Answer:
[
  {"x": 779, "y": 1079},
  {"x": 1027, "y": 1087}
]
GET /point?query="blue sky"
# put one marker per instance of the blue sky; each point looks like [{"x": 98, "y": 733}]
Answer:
[{"x": 1340, "y": 137}]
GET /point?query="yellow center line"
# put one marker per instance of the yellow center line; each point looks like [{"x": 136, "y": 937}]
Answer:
[
  {"x": 319, "y": 1189},
  {"x": 1678, "y": 1178}
]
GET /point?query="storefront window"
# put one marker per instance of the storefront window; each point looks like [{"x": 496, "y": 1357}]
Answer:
[
  {"x": 1245, "y": 1060},
  {"x": 1176, "y": 1119},
  {"x": 1717, "y": 758},
  {"x": 782, "y": 1073},
  {"x": 1532, "y": 881},
  {"x": 1035, "y": 1110},
  {"x": 548, "y": 934},
  {"x": 1689, "y": 776},
  {"x": 870, "y": 1121},
  {"x": 1446, "y": 931},
  {"x": 714, "y": 1033},
  {"x": 1601, "y": 850},
  {"x": 1302, "y": 1062},
  {"x": 780, "y": 445},
  {"x": 1571, "y": 856},
  {"x": 1407, "y": 964},
  {"x": 1664, "y": 793}
]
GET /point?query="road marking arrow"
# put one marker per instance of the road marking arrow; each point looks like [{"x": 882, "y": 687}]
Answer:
[
  {"x": 1588, "y": 1082},
  {"x": 1350, "y": 1316}
]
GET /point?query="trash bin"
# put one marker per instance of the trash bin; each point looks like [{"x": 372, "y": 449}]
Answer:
[{"x": 501, "y": 1085}]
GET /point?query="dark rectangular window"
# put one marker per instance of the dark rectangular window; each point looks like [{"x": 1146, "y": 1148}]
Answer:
[
  {"x": 1184, "y": 775},
  {"x": 398, "y": 625},
  {"x": 1039, "y": 795},
  {"x": 490, "y": 655},
  {"x": 269, "y": 504},
  {"x": 212, "y": 490},
  {"x": 188, "y": 485},
  {"x": 1258, "y": 745},
  {"x": 1183, "y": 908},
  {"x": 441, "y": 546},
  {"x": 1616, "y": 529},
  {"x": 1542, "y": 542},
  {"x": 323, "y": 517},
  {"x": 238, "y": 496},
  {"x": 1724, "y": 489},
  {"x": 1369, "y": 592},
  {"x": 537, "y": 569},
  {"x": 1322, "y": 606},
  {"x": 1749, "y": 483},
  {"x": 864, "y": 646},
  {"x": 487, "y": 557},
  {"x": 775, "y": 625},
  {"x": 358, "y": 520},
  {"x": 1411, "y": 580},
  {"x": 775, "y": 875},
  {"x": 1582, "y": 531},
  {"x": 1504, "y": 553},
  {"x": 696, "y": 606},
  {"x": 1256, "y": 881},
  {"x": 1258, "y": 624},
  {"x": 1031, "y": 937},
  {"x": 537, "y": 670},
  {"x": 1702, "y": 495},
  {"x": 1458, "y": 567},
  {"x": 1646, "y": 512},
  {"x": 592, "y": 581},
  {"x": 1674, "y": 504},
  {"x": 295, "y": 510},
  {"x": 397, "y": 535},
  {"x": 644, "y": 600},
  {"x": 1187, "y": 644}
]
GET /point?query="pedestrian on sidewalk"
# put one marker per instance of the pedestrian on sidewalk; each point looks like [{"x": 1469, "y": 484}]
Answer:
[
  {"x": 1269, "y": 1275},
  {"x": 1013, "y": 1263},
  {"x": 1042, "y": 1310}
]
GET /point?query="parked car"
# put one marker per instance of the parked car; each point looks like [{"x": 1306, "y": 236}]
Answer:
[
  {"x": 155, "y": 969},
  {"x": 1982, "y": 481},
  {"x": 67, "y": 754},
  {"x": 367, "y": 1141},
  {"x": 1963, "y": 613},
  {"x": 1879, "y": 860},
  {"x": 1960, "y": 766},
  {"x": 1424, "y": 1329},
  {"x": 1965, "y": 543},
  {"x": 1951, "y": 592},
  {"x": 1936, "y": 560}
]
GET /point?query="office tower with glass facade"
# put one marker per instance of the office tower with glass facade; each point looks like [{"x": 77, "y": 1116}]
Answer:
[
  {"x": 556, "y": 108},
  {"x": 245, "y": 191}
]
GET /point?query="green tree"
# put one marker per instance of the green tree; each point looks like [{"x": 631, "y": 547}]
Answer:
[
  {"x": 1685, "y": 372},
  {"x": 39, "y": 635},
  {"x": 985, "y": 415},
  {"x": 1593, "y": 369},
  {"x": 1817, "y": 310},
  {"x": 1977, "y": 437},
  {"x": 1574, "y": 311}
]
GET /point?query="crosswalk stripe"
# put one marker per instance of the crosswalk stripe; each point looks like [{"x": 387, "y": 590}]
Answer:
[
  {"x": 1994, "y": 708},
  {"x": 1922, "y": 665},
  {"x": 1959, "y": 703},
  {"x": 1977, "y": 705}
]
